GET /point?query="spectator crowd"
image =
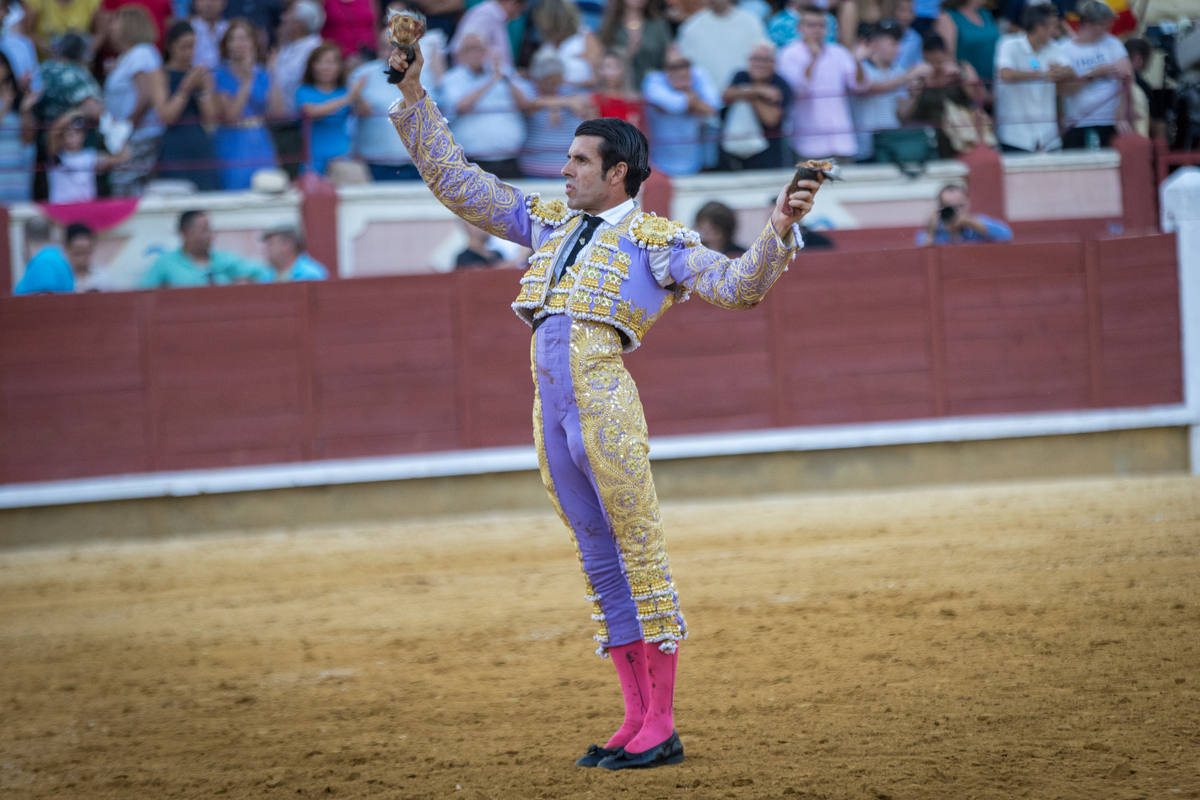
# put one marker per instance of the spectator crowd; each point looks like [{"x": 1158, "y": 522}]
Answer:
[{"x": 103, "y": 96}]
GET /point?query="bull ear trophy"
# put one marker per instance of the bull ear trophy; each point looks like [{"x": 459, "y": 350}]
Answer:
[{"x": 406, "y": 28}]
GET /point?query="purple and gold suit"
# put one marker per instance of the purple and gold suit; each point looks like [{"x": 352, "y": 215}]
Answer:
[{"x": 588, "y": 424}]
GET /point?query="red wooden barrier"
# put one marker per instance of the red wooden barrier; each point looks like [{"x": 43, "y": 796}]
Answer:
[{"x": 212, "y": 377}]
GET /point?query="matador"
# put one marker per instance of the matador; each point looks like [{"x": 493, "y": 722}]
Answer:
[{"x": 602, "y": 272}]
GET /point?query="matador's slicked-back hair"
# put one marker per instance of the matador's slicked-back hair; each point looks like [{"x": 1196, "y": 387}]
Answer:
[{"x": 620, "y": 141}]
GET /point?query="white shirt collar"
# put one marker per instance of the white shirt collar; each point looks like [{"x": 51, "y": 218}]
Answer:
[{"x": 617, "y": 213}]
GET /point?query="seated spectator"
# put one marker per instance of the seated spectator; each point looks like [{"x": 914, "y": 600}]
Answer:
[
  {"x": 1028, "y": 67},
  {"x": 821, "y": 76},
  {"x": 16, "y": 138},
  {"x": 637, "y": 29},
  {"x": 488, "y": 22},
  {"x": 953, "y": 223},
  {"x": 970, "y": 32},
  {"x": 325, "y": 103},
  {"x": 196, "y": 264},
  {"x": 1139, "y": 51},
  {"x": 71, "y": 165},
  {"x": 285, "y": 254},
  {"x": 478, "y": 253},
  {"x": 909, "y": 54},
  {"x": 183, "y": 98},
  {"x": 20, "y": 50},
  {"x": 482, "y": 108},
  {"x": 49, "y": 20},
  {"x": 1095, "y": 107},
  {"x": 80, "y": 245},
  {"x": 814, "y": 240},
  {"x": 947, "y": 96},
  {"x": 47, "y": 269},
  {"x": 717, "y": 223},
  {"x": 209, "y": 23},
  {"x": 375, "y": 139},
  {"x": 679, "y": 102},
  {"x": 613, "y": 97},
  {"x": 718, "y": 40},
  {"x": 770, "y": 96},
  {"x": 784, "y": 27},
  {"x": 558, "y": 24},
  {"x": 129, "y": 96},
  {"x": 886, "y": 91},
  {"x": 553, "y": 117},
  {"x": 244, "y": 96},
  {"x": 350, "y": 24}
]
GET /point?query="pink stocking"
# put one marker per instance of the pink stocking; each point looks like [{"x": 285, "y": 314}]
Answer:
[
  {"x": 660, "y": 717},
  {"x": 630, "y": 661}
]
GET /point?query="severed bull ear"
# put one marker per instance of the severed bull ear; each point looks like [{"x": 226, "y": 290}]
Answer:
[
  {"x": 406, "y": 29},
  {"x": 818, "y": 171}
]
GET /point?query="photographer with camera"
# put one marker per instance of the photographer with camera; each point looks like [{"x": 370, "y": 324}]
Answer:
[{"x": 953, "y": 223}]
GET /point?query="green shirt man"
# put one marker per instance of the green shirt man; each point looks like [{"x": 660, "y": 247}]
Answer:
[{"x": 194, "y": 264}]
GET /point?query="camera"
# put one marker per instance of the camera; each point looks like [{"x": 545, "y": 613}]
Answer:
[{"x": 947, "y": 213}]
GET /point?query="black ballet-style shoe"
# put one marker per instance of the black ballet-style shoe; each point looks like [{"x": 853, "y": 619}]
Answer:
[
  {"x": 595, "y": 754},
  {"x": 669, "y": 752}
]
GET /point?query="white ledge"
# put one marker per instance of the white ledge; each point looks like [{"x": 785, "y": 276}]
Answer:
[{"x": 516, "y": 459}]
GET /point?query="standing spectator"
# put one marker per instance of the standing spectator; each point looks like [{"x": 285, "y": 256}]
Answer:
[
  {"x": 947, "y": 94},
  {"x": 876, "y": 108},
  {"x": 79, "y": 244},
  {"x": 299, "y": 35},
  {"x": 556, "y": 113},
  {"x": 613, "y": 97},
  {"x": 679, "y": 102},
  {"x": 264, "y": 15},
  {"x": 637, "y": 29},
  {"x": 1096, "y": 104},
  {"x": 244, "y": 96},
  {"x": 970, "y": 32},
  {"x": 71, "y": 165},
  {"x": 68, "y": 85},
  {"x": 375, "y": 139},
  {"x": 927, "y": 13},
  {"x": 285, "y": 255},
  {"x": 49, "y": 20},
  {"x": 47, "y": 268},
  {"x": 209, "y": 24},
  {"x": 157, "y": 11},
  {"x": 770, "y": 96},
  {"x": 840, "y": 18},
  {"x": 1139, "y": 51},
  {"x": 719, "y": 39},
  {"x": 909, "y": 54},
  {"x": 350, "y": 24},
  {"x": 482, "y": 108},
  {"x": 195, "y": 263},
  {"x": 717, "y": 223},
  {"x": 184, "y": 100},
  {"x": 16, "y": 138},
  {"x": 821, "y": 75},
  {"x": 557, "y": 21},
  {"x": 488, "y": 21},
  {"x": 1028, "y": 66},
  {"x": 953, "y": 222},
  {"x": 19, "y": 49},
  {"x": 129, "y": 95},
  {"x": 325, "y": 103}
]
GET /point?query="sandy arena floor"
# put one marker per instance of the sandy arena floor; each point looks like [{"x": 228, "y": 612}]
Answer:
[{"x": 1007, "y": 641}]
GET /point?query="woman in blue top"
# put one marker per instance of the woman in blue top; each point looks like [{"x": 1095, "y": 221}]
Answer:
[
  {"x": 971, "y": 34},
  {"x": 325, "y": 104},
  {"x": 244, "y": 97}
]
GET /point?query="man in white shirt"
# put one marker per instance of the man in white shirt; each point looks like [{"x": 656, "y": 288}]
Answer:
[
  {"x": 719, "y": 39},
  {"x": 209, "y": 23},
  {"x": 481, "y": 103},
  {"x": 1029, "y": 67},
  {"x": 300, "y": 34},
  {"x": 1097, "y": 96}
]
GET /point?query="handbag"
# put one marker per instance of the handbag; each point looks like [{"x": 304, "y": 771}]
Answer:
[
  {"x": 742, "y": 135},
  {"x": 958, "y": 124},
  {"x": 907, "y": 148}
]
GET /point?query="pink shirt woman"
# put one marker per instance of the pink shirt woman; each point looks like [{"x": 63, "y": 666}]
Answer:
[{"x": 351, "y": 24}]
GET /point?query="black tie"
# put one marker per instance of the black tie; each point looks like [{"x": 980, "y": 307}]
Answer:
[{"x": 590, "y": 224}]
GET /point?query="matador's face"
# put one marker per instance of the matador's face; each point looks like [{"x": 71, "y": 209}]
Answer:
[{"x": 588, "y": 188}]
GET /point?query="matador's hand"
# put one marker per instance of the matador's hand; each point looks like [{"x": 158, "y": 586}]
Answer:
[
  {"x": 410, "y": 87},
  {"x": 792, "y": 208}
]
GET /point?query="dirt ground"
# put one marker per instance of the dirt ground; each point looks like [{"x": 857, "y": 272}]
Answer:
[{"x": 1036, "y": 640}]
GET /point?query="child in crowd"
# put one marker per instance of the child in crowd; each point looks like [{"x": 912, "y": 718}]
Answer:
[
  {"x": 72, "y": 167},
  {"x": 612, "y": 97}
]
